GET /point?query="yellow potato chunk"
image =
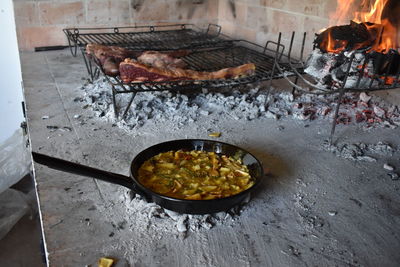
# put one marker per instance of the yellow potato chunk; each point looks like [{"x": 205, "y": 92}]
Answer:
[{"x": 195, "y": 175}]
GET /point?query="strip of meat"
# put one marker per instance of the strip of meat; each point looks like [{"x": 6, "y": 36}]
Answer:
[{"x": 133, "y": 71}]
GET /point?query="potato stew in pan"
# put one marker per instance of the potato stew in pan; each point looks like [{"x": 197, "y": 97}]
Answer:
[{"x": 195, "y": 175}]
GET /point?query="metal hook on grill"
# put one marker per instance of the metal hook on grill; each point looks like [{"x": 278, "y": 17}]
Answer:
[
  {"x": 116, "y": 30},
  {"x": 151, "y": 28},
  {"x": 218, "y": 31},
  {"x": 279, "y": 46}
]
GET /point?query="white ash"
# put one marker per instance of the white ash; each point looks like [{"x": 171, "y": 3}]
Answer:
[
  {"x": 388, "y": 167},
  {"x": 364, "y": 97},
  {"x": 318, "y": 65},
  {"x": 332, "y": 213},
  {"x": 305, "y": 208},
  {"x": 182, "y": 109},
  {"x": 329, "y": 69},
  {"x": 360, "y": 151},
  {"x": 394, "y": 176},
  {"x": 163, "y": 220}
]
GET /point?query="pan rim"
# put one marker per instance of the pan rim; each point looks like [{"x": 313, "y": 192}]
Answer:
[{"x": 189, "y": 201}]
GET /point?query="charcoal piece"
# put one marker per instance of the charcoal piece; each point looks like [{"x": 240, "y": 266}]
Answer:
[
  {"x": 328, "y": 80},
  {"x": 340, "y": 74},
  {"x": 352, "y": 36},
  {"x": 388, "y": 63}
]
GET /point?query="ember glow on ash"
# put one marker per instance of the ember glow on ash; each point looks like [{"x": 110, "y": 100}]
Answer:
[{"x": 370, "y": 21}]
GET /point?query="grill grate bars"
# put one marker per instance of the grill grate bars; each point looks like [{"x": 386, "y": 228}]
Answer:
[{"x": 208, "y": 52}]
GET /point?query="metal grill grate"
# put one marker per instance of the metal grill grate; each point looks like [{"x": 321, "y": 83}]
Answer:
[
  {"x": 209, "y": 51},
  {"x": 238, "y": 53},
  {"x": 167, "y": 37},
  {"x": 309, "y": 86}
]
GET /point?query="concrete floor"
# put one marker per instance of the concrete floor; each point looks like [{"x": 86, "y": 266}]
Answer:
[
  {"x": 22, "y": 246},
  {"x": 315, "y": 209}
]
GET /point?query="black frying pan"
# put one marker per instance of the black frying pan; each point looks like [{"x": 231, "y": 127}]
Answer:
[{"x": 178, "y": 205}]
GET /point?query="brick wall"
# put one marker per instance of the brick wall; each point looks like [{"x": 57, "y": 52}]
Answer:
[
  {"x": 262, "y": 20},
  {"x": 40, "y": 22}
]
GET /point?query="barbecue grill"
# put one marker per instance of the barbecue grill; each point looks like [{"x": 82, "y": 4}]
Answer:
[
  {"x": 210, "y": 51},
  {"x": 158, "y": 38}
]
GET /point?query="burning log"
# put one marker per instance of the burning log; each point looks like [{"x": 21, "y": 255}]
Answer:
[
  {"x": 344, "y": 38},
  {"x": 386, "y": 63},
  {"x": 366, "y": 51},
  {"x": 329, "y": 62}
]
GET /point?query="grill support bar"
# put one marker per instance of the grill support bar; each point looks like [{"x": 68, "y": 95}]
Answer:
[{"x": 315, "y": 89}]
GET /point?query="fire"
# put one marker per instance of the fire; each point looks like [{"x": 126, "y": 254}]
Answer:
[
  {"x": 385, "y": 35},
  {"x": 387, "y": 38},
  {"x": 370, "y": 12},
  {"x": 333, "y": 45},
  {"x": 374, "y": 14}
]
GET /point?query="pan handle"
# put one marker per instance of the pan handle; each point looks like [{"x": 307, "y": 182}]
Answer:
[{"x": 71, "y": 167}]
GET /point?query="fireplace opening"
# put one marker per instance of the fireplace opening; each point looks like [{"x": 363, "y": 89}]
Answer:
[
  {"x": 362, "y": 55},
  {"x": 364, "y": 52},
  {"x": 358, "y": 57},
  {"x": 374, "y": 29}
]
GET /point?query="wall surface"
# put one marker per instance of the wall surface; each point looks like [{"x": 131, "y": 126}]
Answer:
[
  {"x": 14, "y": 159},
  {"x": 40, "y": 22},
  {"x": 262, "y": 20},
  {"x": 10, "y": 69}
]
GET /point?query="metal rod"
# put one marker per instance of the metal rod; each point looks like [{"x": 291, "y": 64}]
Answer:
[
  {"x": 388, "y": 68},
  {"x": 302, "y": 46},
  {"x": 114, "y": 101},
  {"x": 289, "y": 56},
  {"x": 128, "y": 106},
  {"x": 273, "y": 67},
  {"x": 342, "y": 91},
  {"x": 335, "y": 117},
  {"x": 366, "y": 61},
  {"x": 396, "y": 80},
  {"x": 291, "y": 45},
  {"x": 85, "y": 60}
]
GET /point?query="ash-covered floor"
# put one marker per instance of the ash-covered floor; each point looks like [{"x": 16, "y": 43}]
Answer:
[{"x": 319, "y": 205}]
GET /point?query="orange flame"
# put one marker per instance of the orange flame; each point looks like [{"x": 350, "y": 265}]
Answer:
[
  {"x": 374, "y": 14},
  {"x": 333, "y": 45},
  {"x": 386, "y": 35}
]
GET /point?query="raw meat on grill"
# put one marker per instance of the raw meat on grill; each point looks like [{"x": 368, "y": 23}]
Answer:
[
  {"x": 160, "y": 60},
  {"x": 156, "y": 66},
  {"x": 111, "y": 56},
  {"x": 111, "y": 67},
  {"x": 133, "y": 71},
  {"x": 103, "y": 52}
]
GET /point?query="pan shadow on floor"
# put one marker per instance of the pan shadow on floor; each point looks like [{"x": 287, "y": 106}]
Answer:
[{"x": 276, "y": 169}]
